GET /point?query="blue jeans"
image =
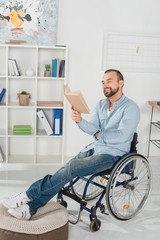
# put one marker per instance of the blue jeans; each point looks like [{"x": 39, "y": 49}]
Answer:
[{"x": 84, "y": 164}]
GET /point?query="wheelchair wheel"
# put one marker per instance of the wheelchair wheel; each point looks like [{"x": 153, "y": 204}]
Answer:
[
  {"x": 128, "y": 186},
  {"x": 92, "y": 191}
]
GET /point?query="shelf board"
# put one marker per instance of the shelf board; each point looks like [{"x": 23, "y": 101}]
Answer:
[
  {"x": 20, "y": 158},
  {"x": 50, "y": 78},
  {"x": 42, "y": 133},
  {"x": 16, "y": 104},
  {"x": 3, "y": 76},
  {"x": 21, "y": 77},
  {"x": 2, "y": 105},
  {"x": 49, "y": 159}
]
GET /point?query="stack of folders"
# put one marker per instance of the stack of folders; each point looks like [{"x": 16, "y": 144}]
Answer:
[{"x": 22, "y": 130}]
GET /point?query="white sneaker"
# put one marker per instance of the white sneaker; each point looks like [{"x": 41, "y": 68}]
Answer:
[
  {"x": 22, "y": 212},
  {"x": 16, "y": 200}
]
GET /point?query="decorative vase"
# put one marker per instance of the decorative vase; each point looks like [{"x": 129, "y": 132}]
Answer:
[
  {"x": 47, "y": 73},
  {"x": 29, "y": 72},
  {"x": 23, "y": 99}
]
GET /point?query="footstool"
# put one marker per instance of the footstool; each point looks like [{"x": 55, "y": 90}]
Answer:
[{"x": 50, "y": 222}]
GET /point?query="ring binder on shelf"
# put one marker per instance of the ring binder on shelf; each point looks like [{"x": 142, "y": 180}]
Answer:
[
  {"x": 44, "y": 122},
  {"x": 57, "y": 122}
]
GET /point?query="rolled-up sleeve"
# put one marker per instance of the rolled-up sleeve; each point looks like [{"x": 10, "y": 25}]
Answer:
[{"x": 92, "y": 126}]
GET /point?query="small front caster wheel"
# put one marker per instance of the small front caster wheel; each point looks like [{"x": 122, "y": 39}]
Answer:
[
  {"x": 95, "y": 225},
  {"x": 62, "y": 202}
]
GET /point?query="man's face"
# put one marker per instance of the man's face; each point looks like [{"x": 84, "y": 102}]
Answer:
[{"x": 110, "y": 84}]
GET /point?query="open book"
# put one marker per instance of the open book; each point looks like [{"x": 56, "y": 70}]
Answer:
[{"x": 76, "y": 99}]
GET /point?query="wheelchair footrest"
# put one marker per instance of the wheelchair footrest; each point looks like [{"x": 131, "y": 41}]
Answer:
[{"x": 74, "y": 197}]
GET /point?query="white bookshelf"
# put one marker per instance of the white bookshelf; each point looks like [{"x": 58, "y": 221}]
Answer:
[{"x": 37, "y": 148}]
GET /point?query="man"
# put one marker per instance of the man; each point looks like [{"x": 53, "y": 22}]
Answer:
[{"x": 113, "y": 124}]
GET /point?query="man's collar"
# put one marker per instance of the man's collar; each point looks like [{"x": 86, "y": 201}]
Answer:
[{"x": 117, "y": 103}]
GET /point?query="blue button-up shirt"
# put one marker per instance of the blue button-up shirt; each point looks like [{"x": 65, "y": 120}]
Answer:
[{"x": 117, "y": 127}]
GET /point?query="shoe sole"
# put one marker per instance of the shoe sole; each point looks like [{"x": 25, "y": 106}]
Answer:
[
  {"x": 13, "y": 213},
  {"x": 5, "y": 204}
]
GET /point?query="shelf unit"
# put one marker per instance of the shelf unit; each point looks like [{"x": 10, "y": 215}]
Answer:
[
  {"x": 37, "y": 148},
  {"x": 156, "y": 142}
]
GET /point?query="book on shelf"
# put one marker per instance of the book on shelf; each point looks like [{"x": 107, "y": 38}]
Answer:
[
  {"x": 76, "y": 99},
  {"x": 58, "y": 66},
  {"x": 2, "y": 94},
  {"x": 57, "y": 125},
  {"x": 1, "y": 155},
  {"x": 13, "y": 67},
  {"x": 54, "y": 67},
  {"x": 45, "y": 122},
  {"x": 50, "y": 103},
  {"x": 61, "y": 70}
]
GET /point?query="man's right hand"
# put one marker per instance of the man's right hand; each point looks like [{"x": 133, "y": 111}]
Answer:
[{"x": 75, "y": 116}]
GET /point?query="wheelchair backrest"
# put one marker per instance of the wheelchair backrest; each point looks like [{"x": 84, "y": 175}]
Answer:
[
  {"x": 131, "y": 165},
  {"x": 134, "y": 143}
]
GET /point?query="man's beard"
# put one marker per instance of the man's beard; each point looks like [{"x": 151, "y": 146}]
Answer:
[{"x": 112, "y": 92}]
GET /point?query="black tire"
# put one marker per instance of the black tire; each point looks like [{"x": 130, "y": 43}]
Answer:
[{"x": 95, "y": 225}]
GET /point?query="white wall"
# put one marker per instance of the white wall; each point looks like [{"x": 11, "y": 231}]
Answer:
[{"x": 80, "y": 27}]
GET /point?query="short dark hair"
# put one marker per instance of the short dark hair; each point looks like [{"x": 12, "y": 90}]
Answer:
[{"x": 119, "y": 74}]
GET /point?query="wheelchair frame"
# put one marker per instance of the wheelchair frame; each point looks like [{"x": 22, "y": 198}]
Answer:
[{"x": 112, "y": 183}]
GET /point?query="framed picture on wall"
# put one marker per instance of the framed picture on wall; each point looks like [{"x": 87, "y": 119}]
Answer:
[{"x": 32, "y": 21}]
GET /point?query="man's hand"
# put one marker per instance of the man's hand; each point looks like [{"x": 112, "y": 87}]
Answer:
[{"x": 75, "y": 116}]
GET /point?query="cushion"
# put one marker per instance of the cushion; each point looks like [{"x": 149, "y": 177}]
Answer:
[{"x": 49, "y": 222}]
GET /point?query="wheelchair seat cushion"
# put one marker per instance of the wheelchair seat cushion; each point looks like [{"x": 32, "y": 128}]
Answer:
[{"x": 50, "y": 222}]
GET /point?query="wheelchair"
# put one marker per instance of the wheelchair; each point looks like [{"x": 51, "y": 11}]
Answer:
[{"x": 126, "y": 188}]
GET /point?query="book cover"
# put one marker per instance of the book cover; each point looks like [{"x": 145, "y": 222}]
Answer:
[
  {"x": 54, "y": 67},
  {"x": 61, "y": 71},
  {"x": 22, "y": 127},
  {"x": 2, "y": 94},
  {"x": 22, "y": 132},
  {"x": 76, "y": 99},
  {"x": 10, "y": 66},
  {"x": 57, "y": 122},
  {"x": 45, "y": 122},
  {"x": 58, "y": 67},
  {"x": 17, "y": 69},
  {"x": 28, "y": 127}
]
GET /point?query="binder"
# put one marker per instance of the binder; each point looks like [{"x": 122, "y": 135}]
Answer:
[
  {"x": 57, "y": 126},
  {"x": 2, "y": 94},
  {"x": 45, "y": 122}
]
